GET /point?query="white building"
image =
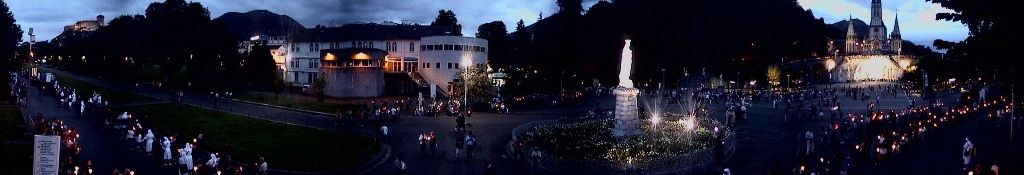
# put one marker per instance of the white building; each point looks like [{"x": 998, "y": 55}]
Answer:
[
  {"x": 444, "y": 56},
  {"x": 402, "y": 42}
]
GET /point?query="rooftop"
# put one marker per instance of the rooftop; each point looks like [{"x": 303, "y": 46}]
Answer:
[{"x": 371, "y": 31}]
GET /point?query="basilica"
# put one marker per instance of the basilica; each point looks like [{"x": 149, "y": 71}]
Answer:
[
  {"x": 877, "y": 42},
  {"x": 876, "y": 56}
]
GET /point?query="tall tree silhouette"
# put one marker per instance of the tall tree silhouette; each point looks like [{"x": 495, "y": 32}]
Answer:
[
  {"x": 10, "y": 37},
  {"x": 498, "y": 46},
  {"x": 446, "y": 18}
]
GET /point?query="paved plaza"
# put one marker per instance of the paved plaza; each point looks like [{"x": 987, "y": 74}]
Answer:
[{"x": 763, "y": 139}]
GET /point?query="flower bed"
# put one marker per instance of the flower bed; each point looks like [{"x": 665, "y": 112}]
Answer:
[{"x": 674, "y": 143}]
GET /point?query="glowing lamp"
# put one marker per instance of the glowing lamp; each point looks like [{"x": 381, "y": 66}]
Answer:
[
  {"x": 360, "y": 56},
  {"x": 330, "y": 57}
]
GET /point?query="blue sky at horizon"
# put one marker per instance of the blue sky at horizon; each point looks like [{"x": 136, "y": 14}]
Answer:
[{"x": 916, "y": 17}]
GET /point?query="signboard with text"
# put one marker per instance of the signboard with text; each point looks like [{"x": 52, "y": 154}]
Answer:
[{"x": 47, "y": 155}]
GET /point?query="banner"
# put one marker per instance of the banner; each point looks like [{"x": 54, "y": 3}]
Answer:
[{"x": 47, "y": 155}]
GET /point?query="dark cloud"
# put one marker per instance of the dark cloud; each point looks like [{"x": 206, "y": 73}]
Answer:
[{"x": 50, "y": 16}]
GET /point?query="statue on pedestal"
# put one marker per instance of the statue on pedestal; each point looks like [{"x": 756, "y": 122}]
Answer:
[{"x": 627, "y": 120}]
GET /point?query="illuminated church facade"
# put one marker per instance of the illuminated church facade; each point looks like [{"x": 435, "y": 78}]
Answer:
[{"x": 875, "y": 57}]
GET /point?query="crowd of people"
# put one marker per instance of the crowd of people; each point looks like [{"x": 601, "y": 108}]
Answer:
[{"x": 136, "y": 135}]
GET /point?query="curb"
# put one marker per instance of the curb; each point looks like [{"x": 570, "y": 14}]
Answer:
[
  {"x": 385, "y": 150},
  {"x": 281, "y": 107}
]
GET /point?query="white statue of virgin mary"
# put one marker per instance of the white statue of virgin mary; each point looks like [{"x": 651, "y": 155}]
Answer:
[{"x": 626, "y": 65}]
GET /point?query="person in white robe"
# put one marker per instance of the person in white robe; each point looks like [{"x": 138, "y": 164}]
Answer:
[
  {"x": 212, "y": 163},
  {"x": 186, "y": 156},
  {"x": 166, "y": 144},
  {"x": 149, "y": 142},
  {"x": 966, "y": 155},
  {"x": 263, "y": 166}
]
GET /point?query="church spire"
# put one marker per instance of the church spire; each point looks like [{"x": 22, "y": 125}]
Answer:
[
  {"x": 896, "y": 27},
  {"x": 849, "y": 28}
]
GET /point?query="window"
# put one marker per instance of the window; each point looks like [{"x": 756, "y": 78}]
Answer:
[
  {"x": 412, "y": 47},
  {"x": 458, "y": 47},
  {"x": 388, "y": 47},
  {"x": 483, "y": 49},
  {"x": 449, "y": 65},
  {"x": 449, "y": 47},
  {"x": 310, "y": 47},
  {"x": 428, "y": 47},
  {"x": 437, "y": 65},
  {"x": 422, "y": 47},
  {"x": 298, "y": 49},
  {"x": 456, "y": 65},
  {"x": 370, "y": 44},
  {"x": 426, "y": 65},
  {"x": 295, "y": 77},
  {"x": 353, "y": 45},
  {"x": 332, "y": 46},
  {"x": 317, "y": 47}
]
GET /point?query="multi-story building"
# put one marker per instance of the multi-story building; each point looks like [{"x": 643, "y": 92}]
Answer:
[{"x": 408, "y": 48}]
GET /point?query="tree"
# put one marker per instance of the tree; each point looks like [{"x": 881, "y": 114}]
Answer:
[
  {"x": 178, "y": 28},
  {"x": 259, "y": 67},
  {"x": 10, "y": 36},
  {"x": 774, "y": 74},
  {"x": 994, "y": 28},
  {"x": 321, "y": 84},
  {"x": 279, "y": 84},
  {"x": 574, "y": 7},
  {"x": 476, "y": 78},
  {"x": 446, "y": 18},
  {"x": 498, "y": 42}
]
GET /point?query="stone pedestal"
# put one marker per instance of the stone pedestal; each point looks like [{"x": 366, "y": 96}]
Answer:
[{"x": 627, "y": 120}]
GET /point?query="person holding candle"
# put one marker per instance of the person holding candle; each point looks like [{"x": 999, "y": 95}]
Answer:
[
  {"x": 433, "y": 144},
  {"x": 166, "y": 145},
  {"x": 149, "y": 142},
  {"x": 968, "y": 149},
  {"x": 470, "y": 144},
  {"x": 423, "y": 142},
  {"x": 263, "y": 166}
]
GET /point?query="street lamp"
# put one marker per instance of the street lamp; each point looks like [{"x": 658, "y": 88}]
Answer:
[
  {"x": 787, "y": 82},
  {"x": 662, "y": 78}
]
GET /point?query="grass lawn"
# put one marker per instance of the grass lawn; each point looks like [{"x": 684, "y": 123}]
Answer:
[
  {"x": 17, "y": 157},
  {"x": 311, "y": 105},
  {"x": 85, "y": 89},
  {"x": 285, "y": 146}
]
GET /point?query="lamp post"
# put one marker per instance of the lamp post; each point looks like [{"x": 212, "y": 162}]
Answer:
[
  {"x": 787, "y": 82},
  {"x": 662, "y": 78},
  {"x": 561, "y": 83}
]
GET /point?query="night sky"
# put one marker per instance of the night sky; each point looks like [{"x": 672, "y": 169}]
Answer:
[{"x": 48, "y": 17}]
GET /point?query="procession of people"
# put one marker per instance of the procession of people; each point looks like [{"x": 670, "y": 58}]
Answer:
[{"x": 136, "y": 134}]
